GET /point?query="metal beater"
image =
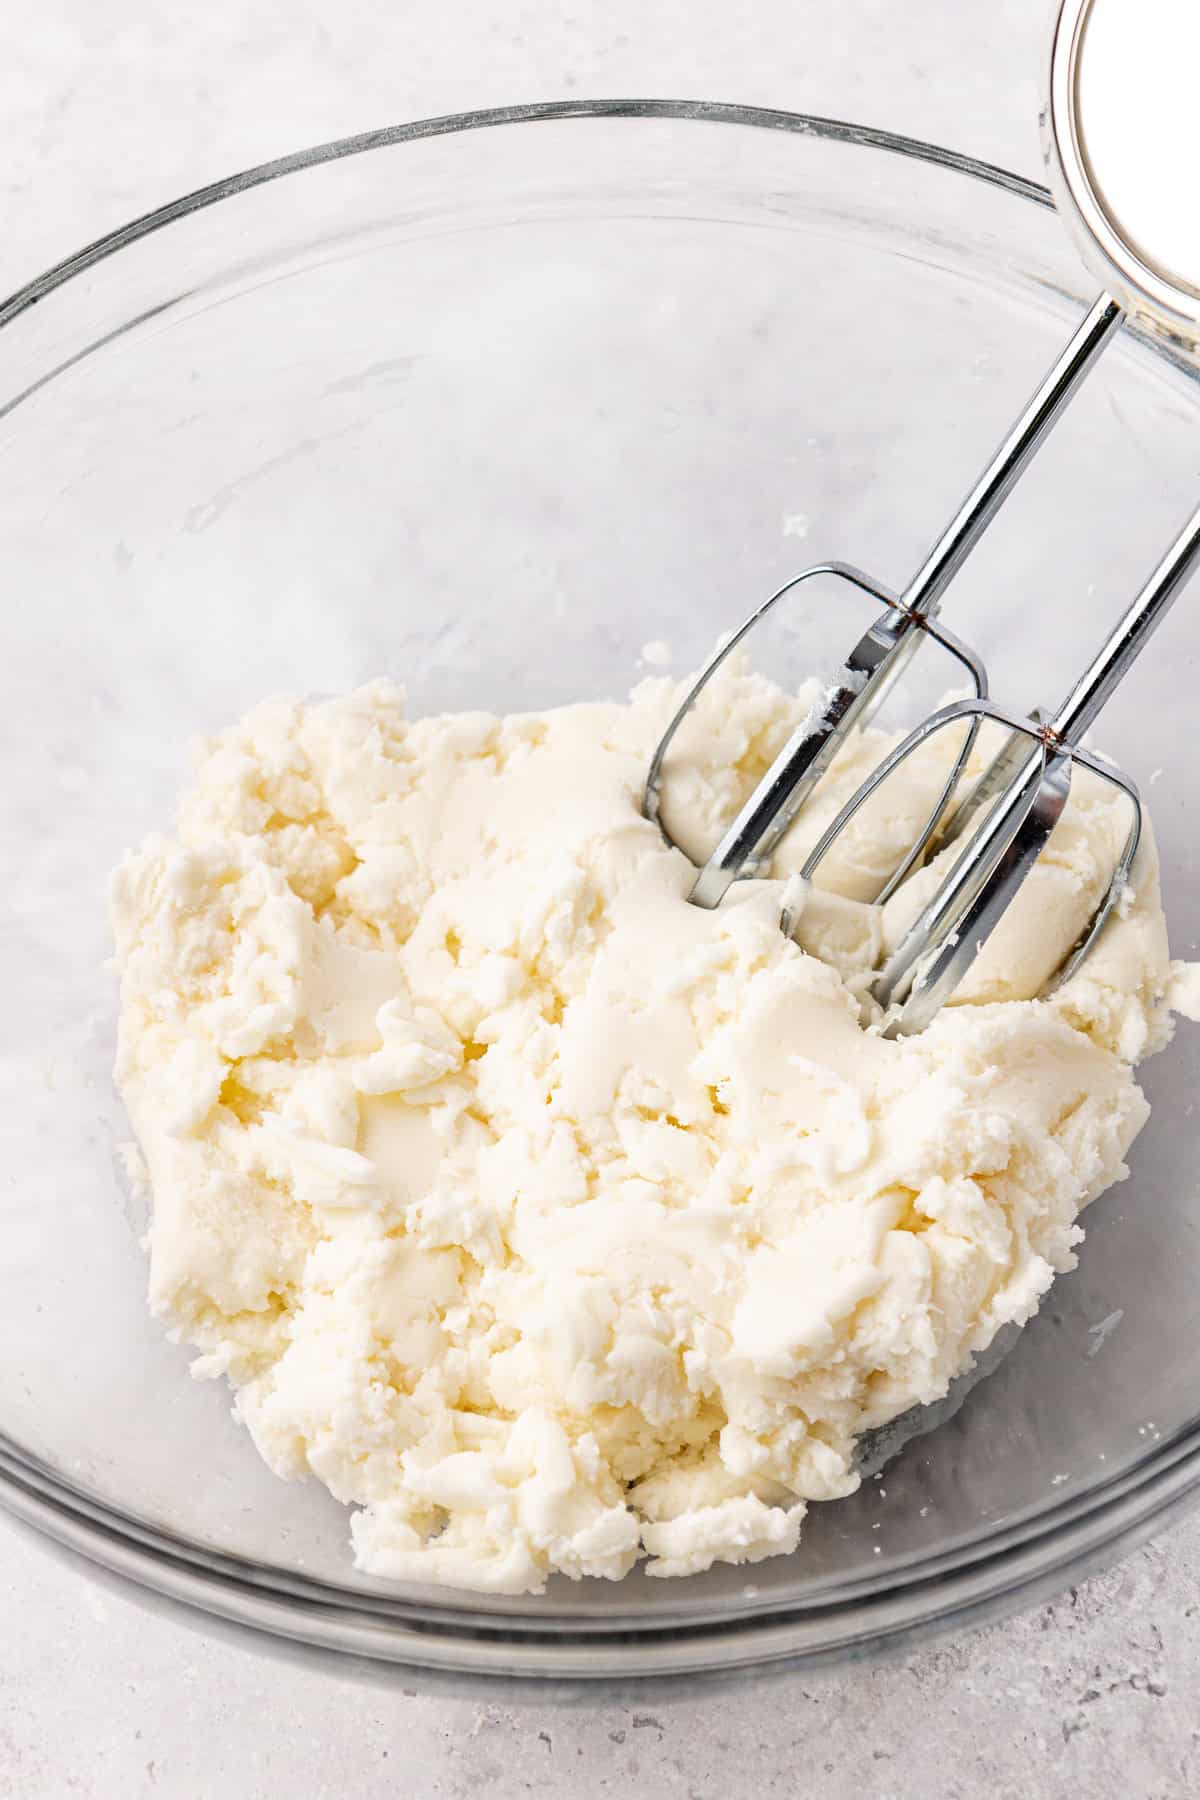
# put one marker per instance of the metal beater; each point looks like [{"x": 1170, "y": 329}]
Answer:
[{"x": 1007, "y": 816}]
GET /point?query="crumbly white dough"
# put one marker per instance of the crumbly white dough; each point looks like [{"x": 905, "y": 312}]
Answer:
[{"x": 547, "y": 1219}]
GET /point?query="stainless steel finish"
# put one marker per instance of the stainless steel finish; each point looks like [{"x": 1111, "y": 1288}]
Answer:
[
  {"x": 1148, "y": 293},
  {"x": 875, "y": 660},
  {"x": 1006, "y": 818},
  {"x": 1016, "y": 451},
  {"x": 854, "y": 692},
  {"x": 1126, "y": 642},
  {"x": 652, "y": 795},
  {"x": 941, "y": 947},
  {"x": 952, "y": 928},
  {"x": 996, "y": 777}
]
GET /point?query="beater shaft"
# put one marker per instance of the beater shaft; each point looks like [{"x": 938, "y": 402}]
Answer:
[
  {"x": 880, "y": 654},
  {"x": 946, "y": 938}
]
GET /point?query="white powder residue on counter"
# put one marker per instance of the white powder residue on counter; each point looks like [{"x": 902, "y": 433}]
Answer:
[{"x": 553, "y": 1222}]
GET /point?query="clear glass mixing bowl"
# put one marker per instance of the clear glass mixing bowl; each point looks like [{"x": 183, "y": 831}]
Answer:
[{"x": 485, "y": 404}]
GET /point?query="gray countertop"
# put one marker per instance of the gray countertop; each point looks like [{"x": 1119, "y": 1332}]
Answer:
[{"x": 105, "y": 111}]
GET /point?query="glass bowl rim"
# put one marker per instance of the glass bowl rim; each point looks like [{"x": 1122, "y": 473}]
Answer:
[
  {"x": 980, "y": 1577},
  {"x": 531, "y": 112}
]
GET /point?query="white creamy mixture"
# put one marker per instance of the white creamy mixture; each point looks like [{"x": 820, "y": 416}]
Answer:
[{"x": 547, "y": 1219}]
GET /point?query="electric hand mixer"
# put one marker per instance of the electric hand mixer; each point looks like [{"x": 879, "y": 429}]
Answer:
[{"x": 1006, "y": 818}]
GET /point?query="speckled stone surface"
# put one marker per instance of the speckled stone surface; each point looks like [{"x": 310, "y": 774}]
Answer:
[{"x": 105, "y": 111}]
